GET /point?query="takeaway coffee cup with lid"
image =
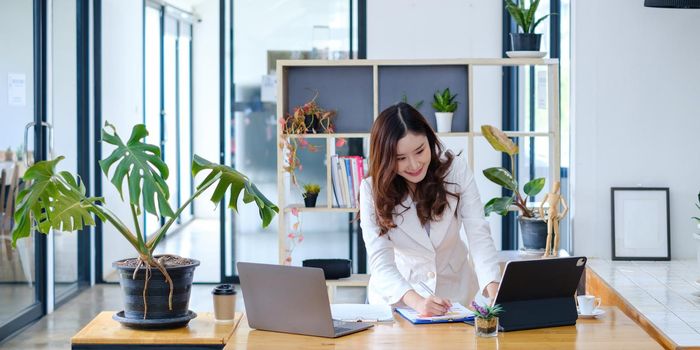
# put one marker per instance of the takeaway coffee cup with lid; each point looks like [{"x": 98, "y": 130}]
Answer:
[{"x": 224, "y": 302}]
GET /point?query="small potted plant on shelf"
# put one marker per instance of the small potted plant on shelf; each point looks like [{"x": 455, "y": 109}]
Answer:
[
  {"x": 309, "y": 118},
  {"x": 528, "y": 40},
  {"x": 486, "y": 319},
  {"x": 532, "y": 228},
  {"x": 445, "y": 105},
  {"x": 311, "y": 191},
  {"x": 156, "y": 288}
]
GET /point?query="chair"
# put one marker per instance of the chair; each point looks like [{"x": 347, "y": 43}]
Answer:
[{"x": 8, "y": 196}]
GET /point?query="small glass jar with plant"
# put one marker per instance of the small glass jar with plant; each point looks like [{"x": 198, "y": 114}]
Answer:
[
  {"x": 445, "y": 105},
  {"x": 311, "y": 191},
  {"x": 486, "y": 319}
]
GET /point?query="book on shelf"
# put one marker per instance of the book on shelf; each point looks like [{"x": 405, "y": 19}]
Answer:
[
  {"x": 346, "y": 175},
  {"x": 337, "y": 191}
]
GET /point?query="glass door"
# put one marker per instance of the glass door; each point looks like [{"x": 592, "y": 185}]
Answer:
[
  {"x": 62, "y": 114},
  {"x": 315, "y": 29},
  {"x": 168, "y": 72},
  {"x": 22, "y": 293}
]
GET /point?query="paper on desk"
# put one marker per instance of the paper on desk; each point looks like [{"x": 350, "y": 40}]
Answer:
[
  {"x": 457, "y": 313},
  {"x": 362, "y": 313}
]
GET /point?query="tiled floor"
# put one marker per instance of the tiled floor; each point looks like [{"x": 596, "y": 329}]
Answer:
[
  {"x": 666, "y": 293},
  {"x": 55, "y": 330}
]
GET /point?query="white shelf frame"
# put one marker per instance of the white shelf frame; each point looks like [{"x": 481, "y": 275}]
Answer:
[{"x": 553, "y": 133}]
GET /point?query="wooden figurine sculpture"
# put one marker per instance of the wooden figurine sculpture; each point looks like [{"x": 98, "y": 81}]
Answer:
[{"x": 553, "y": 198}]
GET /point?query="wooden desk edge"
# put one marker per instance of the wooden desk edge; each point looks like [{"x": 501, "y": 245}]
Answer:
[
  {"x": 83, "y": 336},
  {"x": 597, "y": 286}
]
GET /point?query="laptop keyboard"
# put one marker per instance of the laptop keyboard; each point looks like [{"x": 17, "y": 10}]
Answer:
[
  {"x": 341, "y": 329},
  {"x": 342, "y": 326}
]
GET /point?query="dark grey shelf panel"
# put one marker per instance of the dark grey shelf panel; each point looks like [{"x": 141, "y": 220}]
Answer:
[
  {"x": 348, "y": 90},
  {"x": 420, "y": 83}
]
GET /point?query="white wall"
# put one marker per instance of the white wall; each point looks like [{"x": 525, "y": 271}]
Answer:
[
  {"x": 16, "y": 56},
  {"x": 399, "y": 29},
  {"x": 122, "y": 102},
  {"x": 635, "y": 118},
  {"x": 205, "y": 95}
]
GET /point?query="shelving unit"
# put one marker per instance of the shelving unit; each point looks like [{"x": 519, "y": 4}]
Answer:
[{"x": 359, "y": 89}]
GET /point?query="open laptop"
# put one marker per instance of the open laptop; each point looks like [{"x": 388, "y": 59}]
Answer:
[
  {"x": 290, "y": 299},
  {"x": 539, "y": 293}
]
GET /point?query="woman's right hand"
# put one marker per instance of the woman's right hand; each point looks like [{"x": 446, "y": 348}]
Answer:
[
  {"x": 433, "y": 306},
  {"x": 430, "y": 306}
]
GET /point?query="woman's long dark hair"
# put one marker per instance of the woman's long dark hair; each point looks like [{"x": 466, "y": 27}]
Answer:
[{"x": 390, "y": 189}]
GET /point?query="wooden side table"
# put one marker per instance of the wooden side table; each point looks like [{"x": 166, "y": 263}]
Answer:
[{"x": 201, "y": 333}]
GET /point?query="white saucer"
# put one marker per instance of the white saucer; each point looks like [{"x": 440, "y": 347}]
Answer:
[
  {"x": 526, "y": 54},
  {"x": 596, "y": 313}
]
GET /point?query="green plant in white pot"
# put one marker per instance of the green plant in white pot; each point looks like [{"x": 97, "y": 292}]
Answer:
[
  {"x": 527, "y": 40},
  {"x": 532, "y": 229},
  {"x": 445, "y": 105},
  {"x": 54, "y": 200}
]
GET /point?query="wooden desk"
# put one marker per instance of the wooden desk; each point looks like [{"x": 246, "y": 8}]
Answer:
[
  {"x": 614, "y": 331},
  {"x": 201, "y": 333}
]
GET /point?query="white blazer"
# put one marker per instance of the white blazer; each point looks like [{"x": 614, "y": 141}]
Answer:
[{"x": 406, "y": 255}]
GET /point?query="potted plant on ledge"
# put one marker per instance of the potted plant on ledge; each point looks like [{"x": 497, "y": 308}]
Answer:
[
  {"x": 445, "y": 105},
  {"x": 311, "y": 191},
  {"x": 528, "y": 40},
  {"x": 532, "y": 228},
  {"x": 156, "y": 288}
]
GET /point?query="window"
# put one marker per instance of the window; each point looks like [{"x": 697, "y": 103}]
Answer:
[{"x": 527, "y": 110}]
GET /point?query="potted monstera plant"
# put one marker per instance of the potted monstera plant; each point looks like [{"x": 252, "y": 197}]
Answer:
[
  {"x": 532, "y": 228},
  {"x": 156, "y": 288}
]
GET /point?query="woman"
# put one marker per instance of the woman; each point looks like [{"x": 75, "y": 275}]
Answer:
[{"x": 411, "y": 209}]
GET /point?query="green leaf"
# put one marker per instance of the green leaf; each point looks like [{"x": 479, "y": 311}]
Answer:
[
  {"x": 498, "y": 140},
  {"x": 538, "y": 22},
  {"x": 51, "y": 201},
  {"x": 229, "y": 178},
  {"x": 501, "y": 177},
  {"x": 141, "y": 164},
  {"x": 531, "y": 14},
  {"x": 498, "y": 205},
  {"x": 534, "y": 187}
]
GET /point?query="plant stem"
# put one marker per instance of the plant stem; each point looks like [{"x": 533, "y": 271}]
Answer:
[
  {"x": 139, "y": 234},
  {"x": 120, "y": 226},
  {"x": 106, "y": 213},
  {"x": 153, "y": 242}
]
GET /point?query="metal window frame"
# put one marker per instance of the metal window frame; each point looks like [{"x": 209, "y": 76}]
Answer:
[
  {"x": 509, "y": 111},
  {"x": 38, "y": 309}
]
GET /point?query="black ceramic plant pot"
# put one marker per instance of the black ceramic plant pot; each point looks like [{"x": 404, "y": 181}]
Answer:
[
  {"x": 311, "y": 123},
  {"x": 534, "y": 232},
  {"x": 525, "y": 41},
  {"x": 158, "y": 314},
  {"x": 310, "y": 199}
]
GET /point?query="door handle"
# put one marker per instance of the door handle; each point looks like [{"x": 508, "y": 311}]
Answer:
[{"x": 26, "y": 140}]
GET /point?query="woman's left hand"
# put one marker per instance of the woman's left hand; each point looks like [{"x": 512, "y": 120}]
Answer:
[{"x": 491, "y": 290}]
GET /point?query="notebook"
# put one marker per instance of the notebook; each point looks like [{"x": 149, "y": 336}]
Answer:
[
  {"x": 458, "y": 313},
  {"x": 362, "y": 313}
]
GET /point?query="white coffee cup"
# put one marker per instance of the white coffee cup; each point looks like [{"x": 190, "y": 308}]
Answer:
[{"x": 587, "y": 304}]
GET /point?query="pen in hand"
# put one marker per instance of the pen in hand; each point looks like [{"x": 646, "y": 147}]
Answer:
[{"x": 427, "y": 289}]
